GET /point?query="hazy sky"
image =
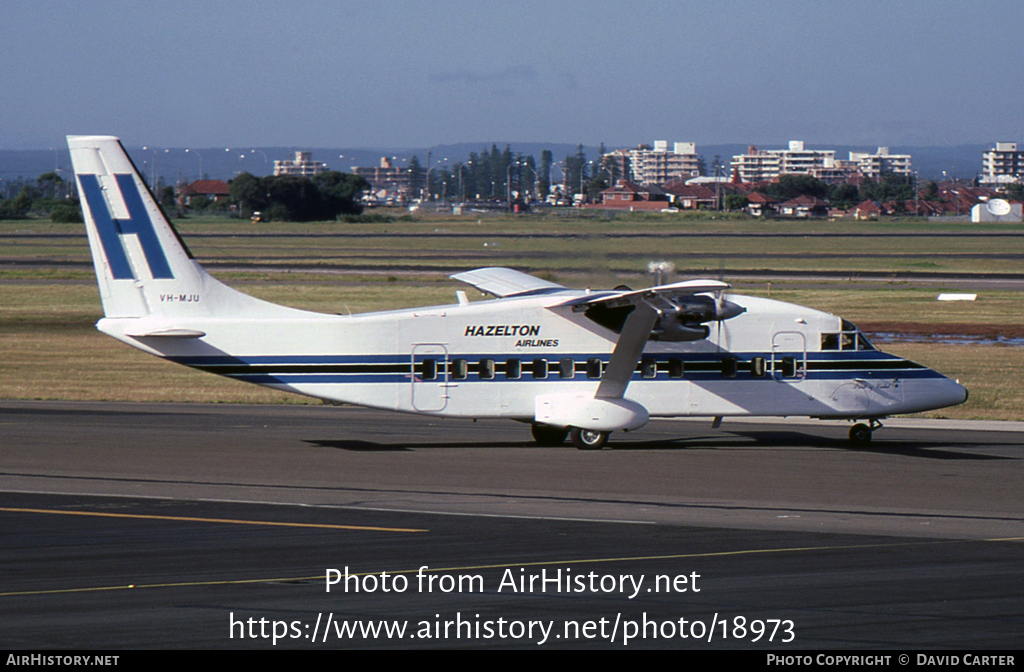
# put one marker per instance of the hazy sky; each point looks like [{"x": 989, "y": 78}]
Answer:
[{"x": 406, "y": 73}]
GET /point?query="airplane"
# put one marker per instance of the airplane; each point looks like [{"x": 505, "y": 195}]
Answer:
[{"x": 575, "y": 363}]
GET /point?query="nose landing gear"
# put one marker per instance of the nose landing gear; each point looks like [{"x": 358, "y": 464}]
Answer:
[{"x": 860, "y": 433}]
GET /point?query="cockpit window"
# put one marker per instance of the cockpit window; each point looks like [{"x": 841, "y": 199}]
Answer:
[{"x": 850, "y": 338}]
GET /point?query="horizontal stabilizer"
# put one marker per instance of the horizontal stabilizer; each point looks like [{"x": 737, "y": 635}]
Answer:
[
  {"x": 167, "y": 333},
  {"x": 502, "y": 282}
]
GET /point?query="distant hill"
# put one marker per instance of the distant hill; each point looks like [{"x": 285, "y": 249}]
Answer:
[{"x": 962, "y": 161}]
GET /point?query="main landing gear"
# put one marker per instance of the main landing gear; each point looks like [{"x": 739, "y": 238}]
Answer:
[
  {"x": 860, "y": 433},
  {"x": 584, "y": 439},
  {"x": 588, "y": 439},
  {"x": 548, "y": 436}
]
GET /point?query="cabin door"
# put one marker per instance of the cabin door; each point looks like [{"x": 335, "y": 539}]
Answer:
[
  {"x": 789, "y": 356},
  {"x": 429, "y": 377}
]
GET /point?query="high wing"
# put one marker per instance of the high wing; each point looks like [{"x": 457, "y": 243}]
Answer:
[
  {"x": 503, "y": 282},
  {"x": 673, "y": 312}
]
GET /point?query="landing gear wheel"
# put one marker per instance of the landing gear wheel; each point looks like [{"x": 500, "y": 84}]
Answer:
[
  {"x": 860, "y": 434},
  {"x": 546, "y": 435},
  {"x": 588, "y": 439}
]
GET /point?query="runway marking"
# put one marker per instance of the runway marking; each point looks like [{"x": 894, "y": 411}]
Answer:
[
  {"x": 432, "y": 570},
  {"x": 231, "y": 521}
]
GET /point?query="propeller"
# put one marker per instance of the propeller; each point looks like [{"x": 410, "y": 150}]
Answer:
[{"x": 685, "y": 318}]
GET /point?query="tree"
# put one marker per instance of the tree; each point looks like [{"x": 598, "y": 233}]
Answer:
[
  {"x": 248, "y": 193},
  {"x": 892, "y": 187},
  {"x": 340, "y": 193},
  {"x": 68, "y": 212},
  {"x": 416, "y": 176},
  {"x": 167, "y": 197},
  {"x": 736, "y": 201},
  {"x": 17, "y": 207},
  {"x": 546, "y": 161},
  {"x": 844, "y": 196},
  {"x": 791, "y": 186},
  {"x": 576, "y": 169},
  {"x": 50, "y": 184}
]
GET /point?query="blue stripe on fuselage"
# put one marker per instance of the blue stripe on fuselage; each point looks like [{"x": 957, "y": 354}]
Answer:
[{"x": 263, "y": 368}]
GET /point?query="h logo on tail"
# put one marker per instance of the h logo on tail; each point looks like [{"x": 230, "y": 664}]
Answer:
[{"x": 110, "y": 230}]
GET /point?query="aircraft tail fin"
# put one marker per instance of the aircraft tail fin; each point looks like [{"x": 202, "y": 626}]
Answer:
[{"x": 142, "y": 265}]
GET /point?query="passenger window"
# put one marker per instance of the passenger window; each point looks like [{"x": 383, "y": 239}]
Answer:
[
  {"x": 675, "y": 368},
  {"x": 485, "y": 369},
  {"x": 789, "y": 367},
  {"x": 648, "y": 367},
  {"x": 729, "y": 367},
  {"x": 566, "y": 368},
  {"x": 512, "y": 369},
  {"x": 540, "y": 368},
  {"x": 593, "y": 368},
  {"x": 428, "y": 369},
  {"x": 459, "y": 369},
  {"x": 758, "y": 367}
]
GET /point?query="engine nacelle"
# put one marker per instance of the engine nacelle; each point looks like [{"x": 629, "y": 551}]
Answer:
[
  {"x": 670, "y": 329},
  {"x": 685, "y": 322}
]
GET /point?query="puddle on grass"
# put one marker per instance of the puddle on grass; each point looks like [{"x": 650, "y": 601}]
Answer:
[{"x": 951, "y": 339}]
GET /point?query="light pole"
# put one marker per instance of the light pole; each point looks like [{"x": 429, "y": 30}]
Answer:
[
  {"x": 156, "y": 175},
  {"x": 200, "y": 161},
  {"x": 508, "y": 186},
  {"x": 917, "y": 193},
  {"x": 564, "y": 175},
  {"x": 536, "y": 178},
  {"x": 583, "y": 172},
  {"x": 256, "y": 151}
]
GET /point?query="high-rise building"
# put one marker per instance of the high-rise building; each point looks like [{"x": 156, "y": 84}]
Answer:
[
  {"x": 1002, "y": 164},
  {"x": 303, "y": 164},
  {"x": 759, "y": 165},
  {"x": 648, "y": 165},
  {"x": 386, "y": 180},
  {"x": 873, "y": 165}
]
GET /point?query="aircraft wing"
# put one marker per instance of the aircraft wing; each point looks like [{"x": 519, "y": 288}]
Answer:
[
  {"x": 618, "y": 299},
  {"x": 669, "y": 312},
  {"x": 502, "y": 282}
]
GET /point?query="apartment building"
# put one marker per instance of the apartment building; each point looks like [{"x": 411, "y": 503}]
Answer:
[
  {"x": 874, "y": 165},
  {"x": 1002, "y": 164},
  {"x": 760, "y": 165},
  {"x": 757, "y": 165},
  {"x": 800, "y": 161},
  {"x": 648, "y": 165},
  {"x": 302, "y": 164},
  {"x": 386, "y": 180}
]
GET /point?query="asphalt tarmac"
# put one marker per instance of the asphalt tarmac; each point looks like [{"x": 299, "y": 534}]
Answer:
[{"x": 213, "y": 526}]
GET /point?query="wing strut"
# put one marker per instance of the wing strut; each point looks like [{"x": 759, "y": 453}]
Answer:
[{"x": 627, "y": 352}]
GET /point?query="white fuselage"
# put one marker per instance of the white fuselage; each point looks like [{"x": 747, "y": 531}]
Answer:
[{"x": 494, "y": 358}]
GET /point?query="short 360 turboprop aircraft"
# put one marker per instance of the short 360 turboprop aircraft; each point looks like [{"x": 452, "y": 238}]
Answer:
[{"x": 568, "y": 361}]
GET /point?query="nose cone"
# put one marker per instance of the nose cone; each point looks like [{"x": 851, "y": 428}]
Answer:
[
  {"x": 949, "y": 393},
  {"x": 929, "y": 394}
]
